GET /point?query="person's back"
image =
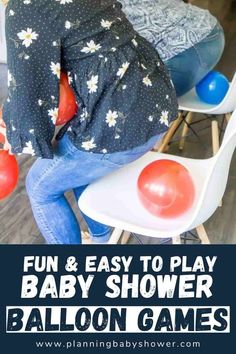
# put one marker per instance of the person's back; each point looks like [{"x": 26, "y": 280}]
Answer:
[
  {"x": 172, "y": 26},
  {"x": 94, "y": 41},
  {"x": 188, "y": 39}
]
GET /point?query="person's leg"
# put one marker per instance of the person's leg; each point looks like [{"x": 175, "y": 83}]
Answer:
[
  {"x": 47, "y": 182},
  {"x": 192, "y": 65},
  {"x": 71, "y": 169}
]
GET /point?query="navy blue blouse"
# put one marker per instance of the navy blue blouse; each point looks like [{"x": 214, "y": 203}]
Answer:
[{"x": 123, "y": 90}]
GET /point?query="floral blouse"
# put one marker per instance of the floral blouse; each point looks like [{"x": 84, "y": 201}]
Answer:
[{"x": 124, "y": 93}]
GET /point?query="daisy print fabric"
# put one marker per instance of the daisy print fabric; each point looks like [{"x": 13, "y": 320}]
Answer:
[{"x": 122, "y": 88}]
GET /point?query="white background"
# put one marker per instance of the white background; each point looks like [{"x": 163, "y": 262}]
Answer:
[{"x": 3, "y": 56}]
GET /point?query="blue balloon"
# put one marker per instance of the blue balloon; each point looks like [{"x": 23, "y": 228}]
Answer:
[{"x": 212, "y": 88}]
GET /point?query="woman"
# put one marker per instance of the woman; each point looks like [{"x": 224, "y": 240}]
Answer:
[
  {"x": 125, "y": 97},
  {"x": 189, "y": 40}
]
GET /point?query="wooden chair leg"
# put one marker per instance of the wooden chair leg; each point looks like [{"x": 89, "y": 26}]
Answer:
[
  {"x": 188, "y": 120},
  {"x": 169, "y": 135},
  {"x": 227, "y": 117},
  {"x": 176, "y": 240},
  {"x": 203, "y": 235},
  {"x": 125, "y": 237},
  {"x": 115, "y": 236},
  {"x": 85, "y": 238},
  {"x": 215, "y": 137}
]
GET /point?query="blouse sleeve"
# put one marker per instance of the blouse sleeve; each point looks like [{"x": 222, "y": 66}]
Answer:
[{"x": 34, "y": 55}]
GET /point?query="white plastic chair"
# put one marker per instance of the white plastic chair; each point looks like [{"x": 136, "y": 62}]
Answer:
[
  {"x": 113, "y": 200},
  {"x": 191, "y": 103}
]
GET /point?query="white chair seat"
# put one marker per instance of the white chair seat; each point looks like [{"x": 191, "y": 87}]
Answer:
[
  {"x": 113, "y": 200},
  {"x": 190, "y": 102}
]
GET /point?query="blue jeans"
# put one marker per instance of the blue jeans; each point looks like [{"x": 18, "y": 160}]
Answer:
[
  {"x": 71, "y": 169},
  {"x": 192, "y": 65}
]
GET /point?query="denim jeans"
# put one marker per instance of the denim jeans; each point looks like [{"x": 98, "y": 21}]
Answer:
[
  {"x": 192, "y": 65},
  {"x": 71, "y": 169}
]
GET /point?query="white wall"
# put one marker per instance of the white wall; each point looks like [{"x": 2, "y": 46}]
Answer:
[{"x": 3, "y": 55}]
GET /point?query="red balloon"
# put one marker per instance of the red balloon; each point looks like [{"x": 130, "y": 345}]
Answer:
[
  {"x": 166, "y": 189},
  {"x": 9, "y": 173},
  {"x": 67, "y": 105},
  {"x": 2, "y": 137}
]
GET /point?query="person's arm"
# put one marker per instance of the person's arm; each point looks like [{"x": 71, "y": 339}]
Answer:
[{"x": 34, "y": 56}]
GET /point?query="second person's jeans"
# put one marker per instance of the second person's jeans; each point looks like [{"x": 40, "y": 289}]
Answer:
[{"x": 192, "y": 65}]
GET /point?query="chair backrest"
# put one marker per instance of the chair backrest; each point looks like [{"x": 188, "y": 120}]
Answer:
[
  {"x": 229, "y": 102},
  {"x": 216, "y": 182}
]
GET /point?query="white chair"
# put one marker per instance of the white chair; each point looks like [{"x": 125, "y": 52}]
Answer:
[
  {"x": 113, "y": 200},
  {"x": 191, "y": 103}
]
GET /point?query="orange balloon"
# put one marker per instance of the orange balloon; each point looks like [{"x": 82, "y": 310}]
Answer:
[
  {"x": 67, "y": 105},
  {"x": 9, "y": 173},
  {"x": 166, "y": 189}
]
